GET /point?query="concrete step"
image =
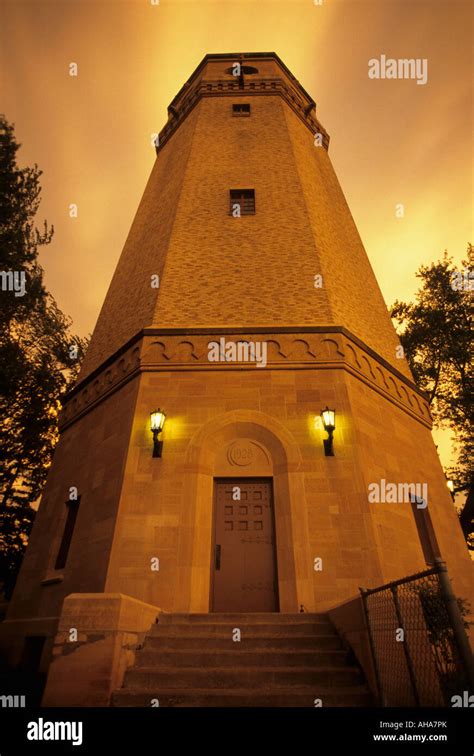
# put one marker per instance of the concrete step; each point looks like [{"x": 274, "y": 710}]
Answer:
[
  {"x": 151, "y": 678},
  {"x": 280, "y": 660},
  {"x": 248, "y": 618},
  {"x": 268, "y": 630},
  {"x": 280, "y": 697},
  {"x": 238, "y": 657},
  {"x": 166, "y": 642}
]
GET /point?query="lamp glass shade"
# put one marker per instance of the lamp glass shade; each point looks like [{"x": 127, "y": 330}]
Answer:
[
  {"x": 329, "y": 418},
  {"x": 157, "y": 420},
  {"x": 450, "y": 485}
]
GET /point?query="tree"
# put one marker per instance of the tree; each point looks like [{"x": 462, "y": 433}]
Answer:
[
  {"x": 437, "y": 339},
  {"x": 39, "y": 357}
]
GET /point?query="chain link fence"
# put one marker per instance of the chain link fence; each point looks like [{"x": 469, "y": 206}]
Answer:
[{"x": 417, "y": 635}]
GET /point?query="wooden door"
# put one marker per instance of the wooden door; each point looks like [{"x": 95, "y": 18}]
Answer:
[{"x": 244, "y": 562}]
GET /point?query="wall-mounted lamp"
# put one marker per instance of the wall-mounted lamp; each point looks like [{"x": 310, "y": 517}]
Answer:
[
  {"x": 157, "y": 421},
  {"x": 450, "y": 485},
  {"x": 329, "y": 422}
]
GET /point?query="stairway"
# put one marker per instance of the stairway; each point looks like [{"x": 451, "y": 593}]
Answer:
[{"x": 281, "y": 660}]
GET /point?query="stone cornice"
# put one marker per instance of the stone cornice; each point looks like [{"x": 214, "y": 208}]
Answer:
[
  {"x": 231, "y": 88},
  {"x": 239, "y": 330},
  {"x": 245, "y": 57},
  {"x": 155, "y": 350}
]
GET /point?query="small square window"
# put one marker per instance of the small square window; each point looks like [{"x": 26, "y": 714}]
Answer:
[
  {"x": 240, "y": 109},
  {"x": 242, "y": 200}
]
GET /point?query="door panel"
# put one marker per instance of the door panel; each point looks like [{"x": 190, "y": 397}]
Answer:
[{"x": 244, "y": 561}]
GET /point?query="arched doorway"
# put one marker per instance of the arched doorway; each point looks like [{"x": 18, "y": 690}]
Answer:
[{"x": 243, "y": 445}]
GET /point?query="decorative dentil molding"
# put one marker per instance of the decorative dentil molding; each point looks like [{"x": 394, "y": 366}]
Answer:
[{"x": 178, "y": 352}]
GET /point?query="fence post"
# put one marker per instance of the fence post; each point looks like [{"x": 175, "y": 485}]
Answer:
[
  {"x": 406, "y": 648},
  {"x": 378, "y": 682},
  {"x": 452, "y": 607}
]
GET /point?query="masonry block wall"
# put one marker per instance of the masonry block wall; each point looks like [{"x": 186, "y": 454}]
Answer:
[
  {"x": 135, "y": 508},
  {"x": 259, "y": 270}
]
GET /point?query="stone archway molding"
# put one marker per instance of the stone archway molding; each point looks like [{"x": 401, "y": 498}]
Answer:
[{"x": 294, "y": 561}]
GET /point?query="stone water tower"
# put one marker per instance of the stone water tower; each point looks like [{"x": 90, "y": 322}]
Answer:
[{"x": 242, "y": 243}]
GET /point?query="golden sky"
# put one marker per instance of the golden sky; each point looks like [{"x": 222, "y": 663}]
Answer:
[{"x": 392, "y": 141}]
